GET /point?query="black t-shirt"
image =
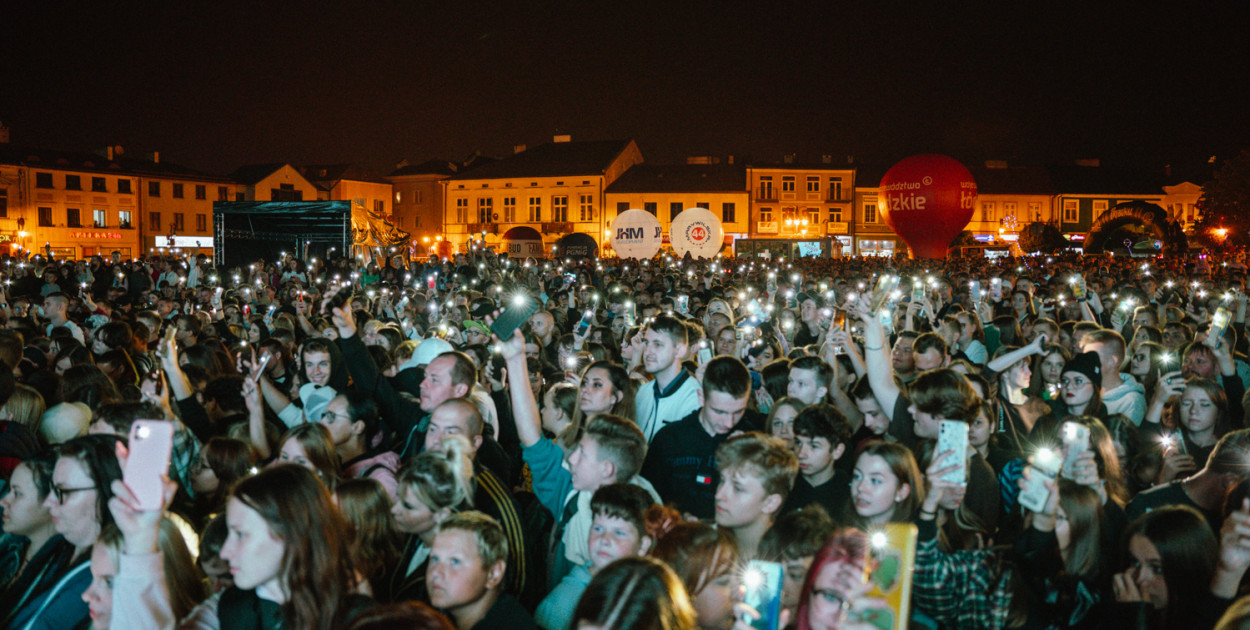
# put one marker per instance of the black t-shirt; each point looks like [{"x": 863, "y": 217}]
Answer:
[
  {"x": 833, "y": 495},
  {"x": 1170, "y": 494}
]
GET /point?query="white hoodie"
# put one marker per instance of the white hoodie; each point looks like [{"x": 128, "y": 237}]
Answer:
[{"x": 1128, "y": 399}]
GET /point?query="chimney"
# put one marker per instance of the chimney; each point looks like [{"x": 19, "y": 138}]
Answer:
[
  {"x": 850, "y": 159},
  {"x": 519, "y": 148},
  {"x": 562, "y": 138},
  {"x": 4, "y": 133},
  {"x": 155, "y": 157},
  {"x": 1167, "y": 170},
  {"x": 788, "y": 158},
  {"x": 826, "y": 159},
  {"x": 731, "y": 159},
  {"x": 401, "y": 163},
  {"x": 1095, "y": 162}
]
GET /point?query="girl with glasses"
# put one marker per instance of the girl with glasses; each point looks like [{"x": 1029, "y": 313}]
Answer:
[{"x": 49, "y": 594}]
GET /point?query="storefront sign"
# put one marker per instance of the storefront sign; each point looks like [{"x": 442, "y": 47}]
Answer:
[{"x": 114, "y": 235}]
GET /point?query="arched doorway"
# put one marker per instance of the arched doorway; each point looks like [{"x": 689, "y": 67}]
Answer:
[{"x": 1149, "y": 216}]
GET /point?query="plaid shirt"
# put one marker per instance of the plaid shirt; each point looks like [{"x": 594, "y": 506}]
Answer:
[{"x": 966, "y": 589}]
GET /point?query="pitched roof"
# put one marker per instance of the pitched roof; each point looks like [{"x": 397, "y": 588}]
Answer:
[
  {"x": 428, "y": 167},
  {"x": 554, "y": 159},
  {"x": 1094, "y": 180},
  {"x": 674, "y": 178},
  {"x": 331, "y": 174},
  {"x": 1017, "y": 180},
  {"x": 253, "y": 173},
  {"x": 35, "y": 157}
]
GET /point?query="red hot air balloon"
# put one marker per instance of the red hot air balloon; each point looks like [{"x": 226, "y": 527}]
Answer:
[{"x": 927, "y": 199}]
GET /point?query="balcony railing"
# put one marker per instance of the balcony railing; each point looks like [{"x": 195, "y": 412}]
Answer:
[
  {"x": 557, "y": 228},
  {"x": 766, "y": 195}
]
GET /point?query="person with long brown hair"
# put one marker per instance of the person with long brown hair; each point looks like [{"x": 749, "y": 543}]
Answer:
[
  {"x": 375, "y": 541},
  {"x": 288, "y": 549},
  {"x": 706, "y": 560}
]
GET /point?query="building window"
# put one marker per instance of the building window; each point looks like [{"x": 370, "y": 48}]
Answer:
[
  {"x": 870, "y": 213},
  {"x": 560, "y": 208},
  {"x": 4, "y": 203},
  {"x": 416, "y": 196},
  {"x": 674, "y": 209},
  {"x": 586, "y": 207},
  {"x": 835, "y": 215},
  {"x": 179, "y": 222},
  {"x": 123, "y": 219},
  {"x": 621, "y": 206},
  {"x": 123, "y": 186},
  {"x": 652, "y": 207},
  {"x": 787, "y": 184},
  {"x": 201, "y": 223},
  {"x": 987, "y": 211},
  {"x": 45, "y": 216},
  {"x": 766, "y": 215},
  {"x": 509, "y": 209},
  {"x": 72, "y": 217},
  {"x": 813, "y": 216},
  {"x": 1035, "y": 210},
  {"x": 73, "y": 182},
  {"x": 462, "y": 211},
  {"x": 98, "y": 185},
  {"x": 813, "y": 184},
  {"x": 1070, "y": 211},
  {"x": 766, "y": 187},
  {"x": 1009, "y": 208},
  {"x": 1100, "y": 206},
  {"x": 99, "y": 218},
  {"x": 201, "y": 191},
  {"x": 43, "y": 180},
  {"x": 178, "y": 191},
  {"x": 286, "y": 192},
  {"x": 223, "y": 193},
  {"x": 485, "y": 209},
  {"x": 835, "y": 189},
  {"x": 728, "y": 212},
  {"x": 535, "y": 209},
  {"x": 154, "y": 221},
  {"x": 154, "y": 189}
]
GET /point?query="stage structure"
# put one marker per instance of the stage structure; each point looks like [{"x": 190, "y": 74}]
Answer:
[{"x": 247, "y": 230}]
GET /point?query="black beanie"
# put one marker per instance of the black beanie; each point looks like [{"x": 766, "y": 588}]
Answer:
[{"x": 1087, "y": 363}]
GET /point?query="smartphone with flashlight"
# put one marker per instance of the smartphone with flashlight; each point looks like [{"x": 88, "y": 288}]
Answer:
[
  {"x": 705, "y": 352},
  {"x": 1075, "y": 442},
  {"x": 885, "y": 287},
  {"x": 631, "y": 314},
  {"x": 953, "y": 438},
  {"x": 151, "y": 443},
  {"x": 683, "y": 304},
  {"x": 519, "y": 310},
  {"x": 975, "y": 285},
  {"x": 1219, "y": 323},
  {"x": 888, "y": 568},
  {"x": 762, "y": 582},
  {"x": 583, "y": 326},
  {"x": 1044, "y": 467}
]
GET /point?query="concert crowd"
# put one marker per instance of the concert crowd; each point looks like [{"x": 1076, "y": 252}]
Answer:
[{"x": 483, "y": 442}]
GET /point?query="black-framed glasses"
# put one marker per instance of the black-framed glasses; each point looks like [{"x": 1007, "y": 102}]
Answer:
[{"x": 59, "y": 492}]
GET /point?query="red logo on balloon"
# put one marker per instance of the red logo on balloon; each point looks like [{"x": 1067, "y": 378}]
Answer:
[
  {"x": 927, "y": 199},
  {"x": 699, "y": 233}
]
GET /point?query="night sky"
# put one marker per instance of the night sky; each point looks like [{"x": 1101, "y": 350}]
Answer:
[{"x": 215, "y": 85}]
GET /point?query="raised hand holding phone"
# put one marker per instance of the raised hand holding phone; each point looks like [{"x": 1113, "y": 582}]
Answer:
[{"x": 147, "y": 464}]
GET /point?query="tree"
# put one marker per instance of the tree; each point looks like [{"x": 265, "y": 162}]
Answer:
[
  {"x": 964, "y": 239},
  {"x": 1042, "y": 237},
  {"x": 1225, "y": 203}
]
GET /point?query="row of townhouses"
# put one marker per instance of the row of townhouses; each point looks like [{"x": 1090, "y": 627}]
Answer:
[{"x": 81, "y": 203}]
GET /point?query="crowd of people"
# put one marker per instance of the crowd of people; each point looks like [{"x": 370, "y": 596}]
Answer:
[{"x": 377, "y": 445}]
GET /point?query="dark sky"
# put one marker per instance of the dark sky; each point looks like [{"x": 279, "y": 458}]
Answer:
[{"x": 215, "y": 85}]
